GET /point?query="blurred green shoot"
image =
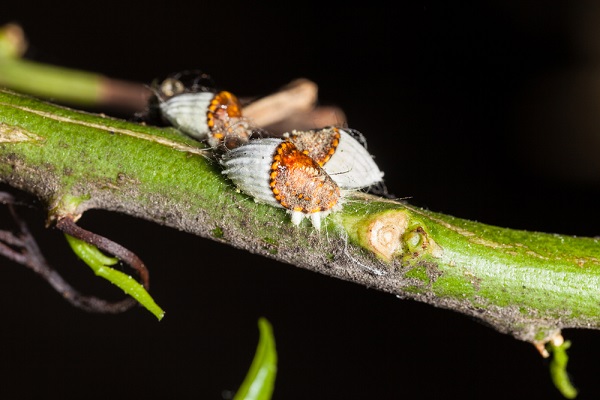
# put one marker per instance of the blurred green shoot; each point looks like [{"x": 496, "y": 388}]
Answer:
[{"x": 260, "y": 380}]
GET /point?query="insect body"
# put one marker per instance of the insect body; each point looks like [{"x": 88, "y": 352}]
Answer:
[
  {"x": 202, "y": 112},
  {"x": 341, "y": 153},
  {"x": 275, "y": 172},
  {"x": 304, "y": 172}
]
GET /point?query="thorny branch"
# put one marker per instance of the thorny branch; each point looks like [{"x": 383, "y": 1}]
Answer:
[
  {"x": 493, "y": 274},
  {"x": 292, "y": 106}
]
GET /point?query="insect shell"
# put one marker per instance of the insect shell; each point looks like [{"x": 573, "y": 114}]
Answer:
[
  {"x": 200, "y": 111},
  {"x": 275, "y": 172},
  {"x": 342, "y": 153}
]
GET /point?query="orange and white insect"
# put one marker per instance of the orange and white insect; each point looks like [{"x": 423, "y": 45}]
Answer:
[
  {"x": 201, "y": 112},
  {"x": 342, "y": 153},
  {"x": 304, "y": 172},
  {"x": 276, "y": 172}
]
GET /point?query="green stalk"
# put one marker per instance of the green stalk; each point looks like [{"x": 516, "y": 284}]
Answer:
[
  {"x": 526, "y": 284},
  {"x": 52, "y": 82},
  {"x": 558, "y": 369},
  {"x": 60, "y": 84}
]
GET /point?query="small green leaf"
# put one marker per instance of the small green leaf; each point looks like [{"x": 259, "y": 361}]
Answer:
[
  {"x": 260, "y": 380},
  {"x": 558, "y": 369},
  {"x": 99, "y": 263}
]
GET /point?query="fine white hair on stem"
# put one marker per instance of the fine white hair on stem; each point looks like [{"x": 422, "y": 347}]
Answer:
[{"x": 369, "y": 269}]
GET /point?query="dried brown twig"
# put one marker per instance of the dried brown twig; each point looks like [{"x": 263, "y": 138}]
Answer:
[{"x": 22, "y": 248}]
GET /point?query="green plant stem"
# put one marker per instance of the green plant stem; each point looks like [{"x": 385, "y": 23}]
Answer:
[
  {"x": 558, "y": 369},
  {"x": 526, "y": 284},
  {"x": 60, "y": 84},
  {"x": 53, "y": 82}
]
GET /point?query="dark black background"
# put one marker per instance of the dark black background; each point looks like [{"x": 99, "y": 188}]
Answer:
[{"x": 482, "y": 110}]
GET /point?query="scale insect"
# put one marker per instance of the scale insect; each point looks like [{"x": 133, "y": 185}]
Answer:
[
  {"x": 275, "y": 172},
  {"x": 190, "y": 103},
  {"x": 342, "y": 153},
  {"x": 304, "y": 172}
]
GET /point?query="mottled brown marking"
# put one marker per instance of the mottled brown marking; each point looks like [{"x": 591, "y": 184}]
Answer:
[
  {"x": 320, "y": 144},
  {"x": 299, "y": 183}
]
